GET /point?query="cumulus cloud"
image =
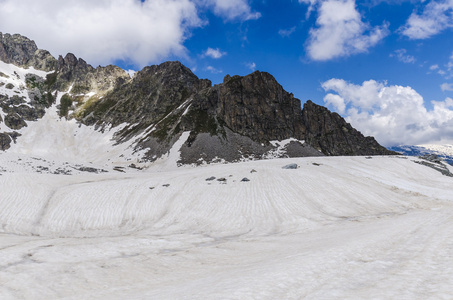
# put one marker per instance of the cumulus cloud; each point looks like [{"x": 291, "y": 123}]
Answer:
[
  {"x": 214, "y": 53},
  {"x": 401, "y": 55},
  {"x": 232, "y": 9},
  {"x": 446, "y": 87},
  {"x": 103, "y": 31},
  {"x": 341, "y": 32},
  {"x": 436, "y": 17},
  {"x": 392, "y": 114}
]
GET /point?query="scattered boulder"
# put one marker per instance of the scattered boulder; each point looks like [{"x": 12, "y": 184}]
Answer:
[
  {"x": 5, "y": 141},
  {"x": 91, "y": 170},
  {"x": 210, "y": 178},
  {"x": 290, "y": 166},
  {"x": 245, "y": 179},
  {"x": 119, "y": 169},
  {"x": 14, "y": 121}
]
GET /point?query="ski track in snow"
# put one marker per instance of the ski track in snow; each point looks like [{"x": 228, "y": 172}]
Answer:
[{"x": 335, "y": 228}]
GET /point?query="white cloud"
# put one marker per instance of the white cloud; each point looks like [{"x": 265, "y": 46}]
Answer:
[
  {"x": 450, "y": 65},
  {"x": 447, "y": 69},
  {"x": 311, "y": 6},
  {"x": 251, "y": 66},
  {"x": 341, "y": 32},
  {"x": 392, "y": 114},
  {"x": 213, "y": 70},
  {"x": 287, "y": 32},
  {"x": 232, "y": 9},
  {"x": 102, "y": 31},
  {"x": 401, "y": 55},
  {"x": 336, "y": 101},
  {"x": 436, "y": 17},
  {"x": 214, "y": 53},
  {"x": 446, "y": 87}
]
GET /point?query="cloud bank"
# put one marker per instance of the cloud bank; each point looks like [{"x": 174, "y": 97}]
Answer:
[
  {"x": 393, "y": 114},
  {"x": 340, "y": 31},
  {"x": 104, "y": 31}
]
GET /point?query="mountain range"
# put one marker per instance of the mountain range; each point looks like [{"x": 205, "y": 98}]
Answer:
[
  {"x": 445, "y": 152},
  {"x": 160, "y": 106}
]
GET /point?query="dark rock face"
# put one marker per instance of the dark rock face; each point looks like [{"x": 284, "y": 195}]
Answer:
[
  {"x": 14, "y": 121},
  {"x": 21, "y": 51},
  {"x": 332, "y": 135},
  {"x": 83, "y": 77},
  {"x": 5, "y": 141},
  {"x": 16, "y": 49},
  {"x": 257, "y": 106},
  {"x": 153, "y": 93}
]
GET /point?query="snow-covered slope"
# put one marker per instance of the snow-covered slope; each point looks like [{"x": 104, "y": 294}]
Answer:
[
  {"x": 334, "y": 228},
  {"x": 13, "y": 83},
  {"x": 56, "y": 138}
]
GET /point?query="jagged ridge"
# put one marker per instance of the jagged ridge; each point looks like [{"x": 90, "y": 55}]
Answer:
[{"x": 232, "y": 120}]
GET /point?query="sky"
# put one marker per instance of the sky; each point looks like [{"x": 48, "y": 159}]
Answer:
[{"x": 385, "y": 66}]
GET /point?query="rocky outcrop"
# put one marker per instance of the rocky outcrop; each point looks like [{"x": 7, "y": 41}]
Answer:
[
  {"x": 5, "y": 141},
  {"x": 82, "y": 78},
  {"x": 23, "y": 52},
  {"x": 332, "y": 135},
  {"x": 257, "y": 106}
]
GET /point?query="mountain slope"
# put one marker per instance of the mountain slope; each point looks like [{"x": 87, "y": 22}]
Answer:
[{"x": 245, "y": 117}]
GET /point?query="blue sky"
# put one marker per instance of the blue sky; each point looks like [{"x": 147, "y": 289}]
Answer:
[{"x": 386, "y": 66}]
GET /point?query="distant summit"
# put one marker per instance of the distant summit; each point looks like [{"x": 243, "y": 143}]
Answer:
[
  {"x": 445, "y": 152},
  {"x": 245, "y": 117}
]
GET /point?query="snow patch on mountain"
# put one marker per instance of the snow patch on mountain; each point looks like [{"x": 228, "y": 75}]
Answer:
[
  {"x": 16, "y": 77},
  {"x": 57, "y": 138}
]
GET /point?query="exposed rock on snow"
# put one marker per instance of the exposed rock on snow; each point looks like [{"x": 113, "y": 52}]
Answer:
[{"x": 290, "y": 166}]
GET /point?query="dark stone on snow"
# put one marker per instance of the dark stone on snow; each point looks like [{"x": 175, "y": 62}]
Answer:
[{"x": 290, "y": 166}]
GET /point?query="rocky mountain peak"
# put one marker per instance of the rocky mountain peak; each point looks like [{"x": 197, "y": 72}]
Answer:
[
  {"x": 257, "y": 106},
  {"x": 23, "y": 52},
  {"x": 242, "y": 117},
  {"x": 16, "y": 49}
]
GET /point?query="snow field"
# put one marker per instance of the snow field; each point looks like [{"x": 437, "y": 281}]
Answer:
[
  {"x": 274, "y": 201},
  {"x": 335, "y": 228}
]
